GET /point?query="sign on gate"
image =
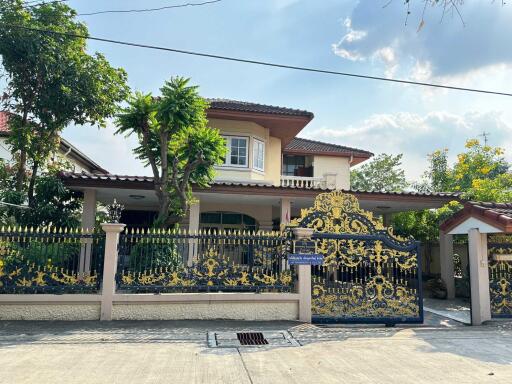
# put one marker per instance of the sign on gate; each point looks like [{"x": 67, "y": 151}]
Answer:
[{"x": 304, "y": 253}]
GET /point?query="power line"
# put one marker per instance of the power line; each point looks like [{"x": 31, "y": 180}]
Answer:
[
  {"x": 263, "y": 63},
  {"x": 150, "y": 9}
]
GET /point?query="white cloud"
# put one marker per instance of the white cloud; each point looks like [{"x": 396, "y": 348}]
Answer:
[
  {"x": 417, "y": 135},
  {"x": 350, "y": 37}
]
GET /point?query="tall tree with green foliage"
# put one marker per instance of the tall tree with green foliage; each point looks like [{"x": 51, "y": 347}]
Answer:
[
  {"x": 383, "y": 173},
  {"x": 175, "y": 141},
  {"x": 51, "y": 82}
]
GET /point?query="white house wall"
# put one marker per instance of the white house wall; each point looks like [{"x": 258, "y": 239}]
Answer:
[{"x": 339, "y": 167}]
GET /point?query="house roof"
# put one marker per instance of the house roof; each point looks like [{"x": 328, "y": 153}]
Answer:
[
  {"x": 306, "y": 146},
  {"x": 244, "y": 106},
  {"x": 283, "y": 123},
  {"x": 498, "y": 215},
  {"x": 65, "y": 146}
]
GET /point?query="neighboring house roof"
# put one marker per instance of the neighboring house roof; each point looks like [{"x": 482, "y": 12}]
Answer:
[
  {"x": 305, "y": 146},
  {"x": 65, "y": 146},
  {"x": 498, "y": 215},
  {"x": 244, "y": 106},
  {"x": 84, "y": 179}
]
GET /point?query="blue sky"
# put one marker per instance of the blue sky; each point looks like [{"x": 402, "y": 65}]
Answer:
[{"x": 353, "y": 36}]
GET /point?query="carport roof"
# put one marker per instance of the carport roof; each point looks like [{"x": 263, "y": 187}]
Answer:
[
  {"x": 498, "y": 215},
  {"x": 109, "y": 181}
]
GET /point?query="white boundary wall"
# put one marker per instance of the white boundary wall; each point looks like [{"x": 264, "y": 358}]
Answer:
[
  {"x": 187, "y": 306},
  {"x": 110, "y": 305}
]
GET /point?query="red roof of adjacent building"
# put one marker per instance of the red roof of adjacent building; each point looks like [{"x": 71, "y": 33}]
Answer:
[
  {"x": 4, "y": 117},
  {"x": 498, "y": 215}
]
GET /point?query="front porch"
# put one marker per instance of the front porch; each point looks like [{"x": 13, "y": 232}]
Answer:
[{"x": 255, "y": 206}]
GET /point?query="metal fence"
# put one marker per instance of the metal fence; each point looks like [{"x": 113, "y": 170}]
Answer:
[
  {"x": 206, "y": 261},
  {"x": 50, "y": 260}
]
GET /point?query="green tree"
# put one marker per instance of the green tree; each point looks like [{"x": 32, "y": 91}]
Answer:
[
  {"x": 52, "y": 204},
  {"x": 383, "y": 173},
  {"x": 51, "y": 82},
  {"x": 175, "y": 141},
  {"x": 480, "y": 173}
]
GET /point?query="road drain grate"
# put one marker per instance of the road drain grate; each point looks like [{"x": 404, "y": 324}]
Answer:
[
  {"x": 251, "y": 338},
  {"x": 263, "y": 339}
]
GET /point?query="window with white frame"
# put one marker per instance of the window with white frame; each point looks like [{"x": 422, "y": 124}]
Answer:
[
  {"x": 237, "y": 148},
  {"x": 258, "y": 151}
]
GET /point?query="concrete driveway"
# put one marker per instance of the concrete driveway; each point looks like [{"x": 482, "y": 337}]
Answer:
[{"x": 179, "y": 352}]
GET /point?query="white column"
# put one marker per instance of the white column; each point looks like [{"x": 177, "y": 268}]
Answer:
[
  {"x": 88, "y": 222},
  {"x": 479, "y": 277},
  {"x": 286, "y": 211},
  {"x": 193, "y": 228},
  {"x": 446, "y": 261},
  {"x": 112, "y": 232},
  {"x": 89, "y": 209},
  {"x": 305, "y": 293}
]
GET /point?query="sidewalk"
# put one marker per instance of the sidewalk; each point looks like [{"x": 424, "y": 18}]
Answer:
[{"x": 178, "y": 352}]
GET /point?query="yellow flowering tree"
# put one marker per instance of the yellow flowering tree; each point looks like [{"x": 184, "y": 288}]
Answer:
[{"x": 482, "y": 173}]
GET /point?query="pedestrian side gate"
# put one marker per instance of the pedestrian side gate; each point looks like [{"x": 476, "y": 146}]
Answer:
[{"x": 369, "y": 275}]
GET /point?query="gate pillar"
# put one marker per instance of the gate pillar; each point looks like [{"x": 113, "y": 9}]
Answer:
[{"x": 305, "y": 293}]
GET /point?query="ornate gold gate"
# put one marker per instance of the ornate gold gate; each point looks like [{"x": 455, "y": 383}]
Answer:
[
  {"x": 369, "y": 275},
  {"x": 500, "y": 277}
]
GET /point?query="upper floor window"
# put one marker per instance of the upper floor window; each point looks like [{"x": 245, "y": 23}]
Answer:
[
  {"x": 237, "y": 148},
  {"x": 258, "y": 155},
  {"x": 297, "y": 165}
]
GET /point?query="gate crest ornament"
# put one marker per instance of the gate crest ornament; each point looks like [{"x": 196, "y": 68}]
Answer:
[
  {"x": 338, "y": 212},
  {"x": 369, "y": 274}
]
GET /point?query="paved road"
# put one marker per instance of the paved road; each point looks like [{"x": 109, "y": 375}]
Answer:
[{"x": 178, "y": 352}]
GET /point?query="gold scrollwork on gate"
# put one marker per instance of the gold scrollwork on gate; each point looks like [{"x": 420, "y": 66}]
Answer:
[{"x": 500, "y": 281}]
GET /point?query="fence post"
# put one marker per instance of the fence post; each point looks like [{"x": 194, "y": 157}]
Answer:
[{"x": 112, "y": 232}]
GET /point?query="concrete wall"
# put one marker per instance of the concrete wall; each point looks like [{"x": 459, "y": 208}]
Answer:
[
  {"x": 272, "y": 166},
  {"x": 188, "y": 306},
  {"x": 206, "y": 311},
  {"x": 339, "y": 167}
]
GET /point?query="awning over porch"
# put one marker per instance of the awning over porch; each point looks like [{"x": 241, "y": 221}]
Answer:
[{"x": 137, "y": 192}]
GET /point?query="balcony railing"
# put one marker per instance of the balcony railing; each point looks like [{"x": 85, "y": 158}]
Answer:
[{"x": 303, "y": 182}]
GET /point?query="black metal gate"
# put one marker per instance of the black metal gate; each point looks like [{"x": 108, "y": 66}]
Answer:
[{"x": 369, "y": 275}]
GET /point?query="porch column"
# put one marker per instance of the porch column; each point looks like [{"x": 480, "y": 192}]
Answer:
[
  {"x": 479, "y": 277},
  {"x": 89, "y": 209},
  {"x": 286, "y": 211},
  {"x": 446, "y": 261},
  {"x": 88, "y": 222},
  {"x": 193, "y": 228}
]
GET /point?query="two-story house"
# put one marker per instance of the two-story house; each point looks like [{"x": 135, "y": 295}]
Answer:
[{"x": 269, "y": 174}]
